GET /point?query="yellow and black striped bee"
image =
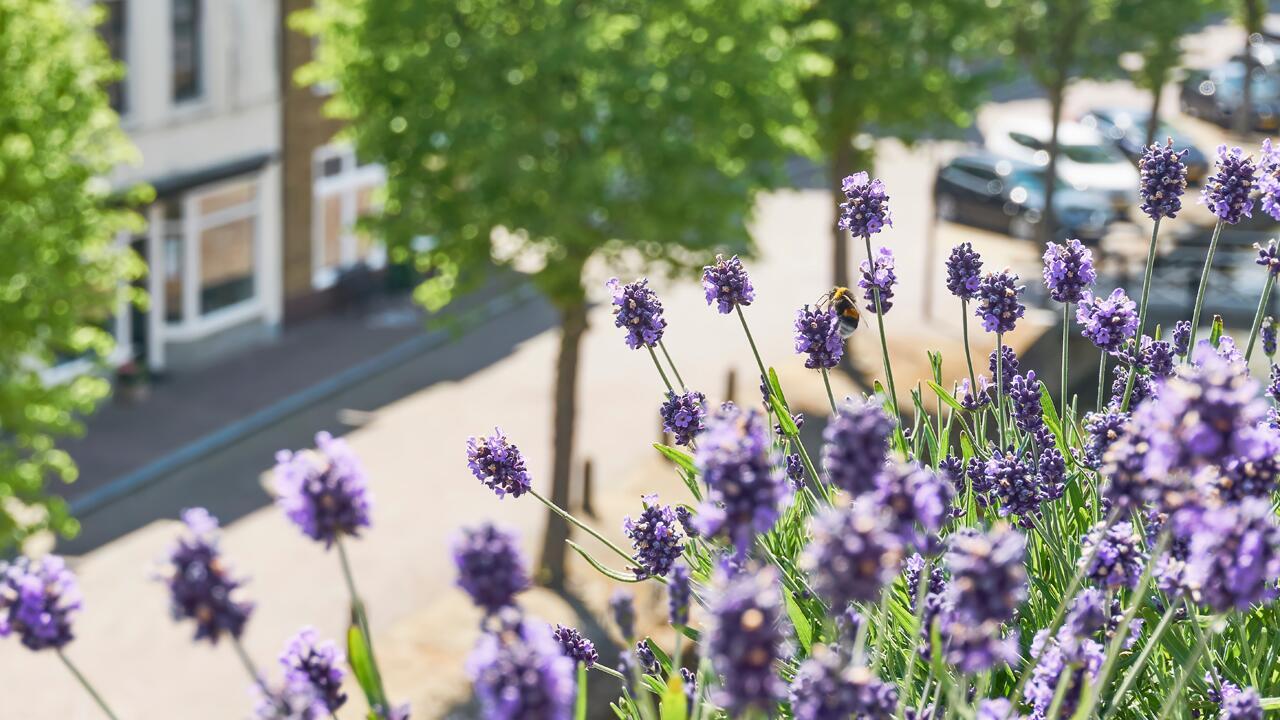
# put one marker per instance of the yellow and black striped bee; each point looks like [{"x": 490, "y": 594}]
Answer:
[{"x": 841, "y": 300}]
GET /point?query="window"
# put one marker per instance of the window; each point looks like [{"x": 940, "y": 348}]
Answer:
[
  {"x": 114, "y": 31},
  {"x": 226, "y": 234},
  {"x": 343, "y": 192},
  {"x": 187, "y": 49},
  {"x": 174, "y": 261}
]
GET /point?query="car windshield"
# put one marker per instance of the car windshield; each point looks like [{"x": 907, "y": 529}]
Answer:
[
  {"x": 1031, "y": 180},
  {"x": 1090, "y": 154}
]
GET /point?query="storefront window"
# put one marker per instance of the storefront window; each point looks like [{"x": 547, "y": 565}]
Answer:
[
  {"x": 173, "y": 260},
  {"x": 344, "y": 191},
  {"x": 226, "y": 236}
]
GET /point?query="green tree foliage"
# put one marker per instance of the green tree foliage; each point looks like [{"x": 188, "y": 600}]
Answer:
[
  {"x": 542, "y": 134},
  {"x": 1153, "y": 30},
  {"x": 892, "y": 68},
  {"x": 61, "y": 270}
]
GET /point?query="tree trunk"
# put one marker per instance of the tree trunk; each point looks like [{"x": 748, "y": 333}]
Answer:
[
  {"x": 1244, "y": 113},
  {"x": 1153, "y": 122},
  {"x": 1057, "y": 95},
  {"x": 573, "y": 324}
]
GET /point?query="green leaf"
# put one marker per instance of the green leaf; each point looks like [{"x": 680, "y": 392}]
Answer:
[
  {"x": 601, "y": 568},
  {"x": 1271, "y": 703},
  {"x": 1050, "y": 412},
  {"x": 654, "y": 685},
  {"x": 679, "y": 457},
  {"x": 804, "y": 630},
  {"x": 664, "y": 660},
  {"x": 946, "y": 397},
  {"x": 784, "y": 418},
  {"x": 674, "y": 703},
  {"x": 776, "y": 387},
  {"x": 1215, "y": 332},
  {"x": 360, "y": 657},
  {"x": 690, "y": 633},
  {"x": 580, "y": 708}
]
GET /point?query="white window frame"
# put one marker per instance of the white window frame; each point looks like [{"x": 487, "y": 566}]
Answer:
[
  {"x": 346, "y": 185},
  {"x": 195, "y": 322}
]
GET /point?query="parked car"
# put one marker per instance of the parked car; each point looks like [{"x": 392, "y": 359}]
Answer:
[
  {"x": 1215, "y": 95},
  {"x": 1127, "y": 129},
  {"x": 1086, "y": 160},
  {"x": 997, "y": 193}
]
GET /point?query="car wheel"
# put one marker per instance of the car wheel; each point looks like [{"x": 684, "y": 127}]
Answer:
[
  {"x": 946, "y": 208},
  {"x": 1022, "y": 229}
]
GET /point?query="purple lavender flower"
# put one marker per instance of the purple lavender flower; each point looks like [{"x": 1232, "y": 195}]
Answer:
[
  {"x": 324, "y": 492},
  {"x": 1234, "y": 556},
  {"x": 498, "y": 463},
  {"x": 744, "y": 640},
  {"x": 1235, "y": 703},
  {"x": 1115, "y": 555},
  {"x": 1127, "y": 485},
  {"x": 1269, "y": 179},
  {"x": 622, "y": 608},
  {"x": 997, "y": 709},
  {"x": 1240, "y": 478},
  {"x": 656, "y": 538},
  {"x": 1008, "y": 366},
  {"x": 917, "y": 501},
  {"x": 1068, "y": 271},
  {"x": 865, "y": 210},
  {"x": 1051, "y": 473},
  {"x": 936, "y": 596},
  {"x": 1157, "y": 357},
  {"x": 1109, "y": 321},
  {"x": 1269, "y": 336},
  {"x": 999, "y": 305},
  {"x": 970, "y": 400},
  {"x": 746, "y": 488},
  {"x": 880, "y": 279},
  {"x": 988, "y": 574},
  {"x": 200, "y": 583},
  {"x": 1061, "y": 659},
  {"x": 1101, "y": 429},
  {"x": 795, "y": 471},
  {"x": 824, "y": 689},
  {"x": 520, "y": 672},
  {"x": 679, "y": 590},
  {"x": 1204, "y": 415},
  {"x": 637, "y": 310},
  {"x": 1015, "y": 484},
  {"x": 1024, "y": 393},
  {"x": 577, "y": 647},
  {"x": 1227, "y": 192},
  {"x": 685, "y": 516},
  {"x": 1143, "y": 387},
  {"x": 1268, "y": 257},
  {"x": 853, "y": 553},
  {"x": 683, "y": 415},
  {"x": 976, "y": 472},
  {"x": 856, "y": 445},
  {"x": 1087, "y": 615},
  {"x": 964, "y": 271},
  {"x": 1181, "y": 337},
  {"x": 648, "y": 661},
  {"x": 727, "y": 285},
  {"x": 37, "y": 600},
  {"x": 313, "y": 670},
  {"x": 490, "y": 566},
  {"x": 818, "y": 336},
  {"x": 1164, "y": 179}
]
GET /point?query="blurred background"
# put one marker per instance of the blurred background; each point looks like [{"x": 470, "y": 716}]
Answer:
[{"x": 230, "y": 224}]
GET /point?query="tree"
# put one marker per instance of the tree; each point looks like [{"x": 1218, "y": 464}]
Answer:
[
  {"x": 1058, "y": 42},
  {"x": 889, "y": 67},
  {"x": 61, "y": 272},
  {"x": 1153, "y": 29},
  {"x": 1250, "y": 13},
  {"x": 542, "y": 134}
]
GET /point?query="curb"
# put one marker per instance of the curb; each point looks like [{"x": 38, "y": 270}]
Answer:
[{"x": 125, "y": 485}]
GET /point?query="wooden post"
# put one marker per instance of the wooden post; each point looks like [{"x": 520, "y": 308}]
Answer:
[{"x": 588, "y": 506}]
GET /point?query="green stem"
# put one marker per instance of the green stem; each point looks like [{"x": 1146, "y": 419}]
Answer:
[
  {"x": 361, "y": 617},
  {"x": 609, "y": 671},
  {"x": 968, "y": 356},
  {"x": 1204, "y": 284},
  {"x": 662, "y": 346},
  {"x": 1146, "y": 279},
  {"x": 661, "y": 372},
  {"x": 1141, "y": 663},
  {"x": 581, "y": 525},
  {"x": 1193, "y": 661},
  {"x": 884, "y": 344},
  {"x": 84, "y": 682},
  {"x": 1000, "y": 388},
  {"x": 1066, "y": 341},
  {"x": 831, "y": 398},
  {"x": 1257, "y": 316},
  {"x": 1102, "y": 378},
  {"x": 764, "y": 374}
]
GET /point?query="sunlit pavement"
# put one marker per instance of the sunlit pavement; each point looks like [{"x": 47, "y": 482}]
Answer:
[{"x": 414, "y": 450}]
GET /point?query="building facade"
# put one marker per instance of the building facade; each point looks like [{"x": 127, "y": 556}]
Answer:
[{"x": 253, "y": 222}]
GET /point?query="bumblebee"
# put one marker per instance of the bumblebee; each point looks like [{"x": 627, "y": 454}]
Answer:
[{"x": 841, "y": 300}]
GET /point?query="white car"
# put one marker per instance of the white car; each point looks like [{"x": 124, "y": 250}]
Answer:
[{"x": 1086, "y": 160}]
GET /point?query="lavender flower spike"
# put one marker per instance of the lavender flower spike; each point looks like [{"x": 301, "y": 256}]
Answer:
[
  {"x": 744, "y": 640},
  {"x": 37, "y": 600},
  {"x": 637, "y": 310},
  {"x": 577, "y": 647},
  {"x": 747, "y": 487},
  {"x": 1163, "y": 180},
  {"x": 1109, "y": 321},
  {"x": 520, "y": 671},
  {"x": 313, "y": 670},
  {"x": 324, "y": 492},
  {"x": 1269, "y": 336},
  {"x": 818, "y": 337},
  {"x": 1227, "y": 193},
  {"x": 856, "y": 445},
  {"x": 1234, "y": 558},
  {"x": 865, "y": 210},
  {"x": 999, "y": 305},
  {"x": 881, "y": 280},
  {"x": 964, "y": 271},
  {"x": 1268, "y": 257},
  {"x": 683, "y": 415},
  {"x": 1068, "y": 271},
  {"x": 498, "y": 463},
  {"x": 490, "y": 567},
  {"x": 727, "y": 285},
  {"x": 853, "y": 554},
  {"x": 200, "y": 583},
  {"x": 1269, "y": 179},
  {"x": 656, "y": 537}
]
